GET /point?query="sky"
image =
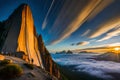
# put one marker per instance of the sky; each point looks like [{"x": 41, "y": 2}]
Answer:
[{"x": 72, "y": 24}]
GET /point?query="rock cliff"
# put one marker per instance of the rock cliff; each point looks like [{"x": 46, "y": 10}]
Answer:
[
  {"x": 46, "y": 59},
  {"x": 19, "y": 35}
]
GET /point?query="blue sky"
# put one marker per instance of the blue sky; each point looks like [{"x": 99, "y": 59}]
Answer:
[{"x": 72, "y": 24}]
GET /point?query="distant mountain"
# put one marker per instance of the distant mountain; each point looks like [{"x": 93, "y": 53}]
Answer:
[
  {"x": 18, "y": 34},
  {"x": 65, "y": 52},
  {"x": 69, "y": 52},
  {"x": 61, "y": 52},
  {"x": 83, "y": 52}
]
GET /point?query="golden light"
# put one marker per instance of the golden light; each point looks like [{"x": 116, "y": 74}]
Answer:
[{"x": 117, "y": 49}]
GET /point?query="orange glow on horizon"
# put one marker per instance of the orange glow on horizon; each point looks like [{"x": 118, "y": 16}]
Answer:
[{"x": 116, "y": 49}]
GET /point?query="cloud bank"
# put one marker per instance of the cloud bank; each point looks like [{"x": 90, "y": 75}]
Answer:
[{"x": 86, "y": 63}]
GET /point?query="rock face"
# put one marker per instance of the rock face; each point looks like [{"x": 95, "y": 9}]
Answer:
[
  {"x": 20, "y": 36},
  {"x": 47, "y": 60}
]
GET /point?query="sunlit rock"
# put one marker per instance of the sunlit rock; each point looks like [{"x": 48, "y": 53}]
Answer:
[{"x": 21, "y": 40}]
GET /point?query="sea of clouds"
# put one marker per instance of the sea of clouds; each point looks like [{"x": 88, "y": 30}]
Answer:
[{"x": 86, "y": 63}]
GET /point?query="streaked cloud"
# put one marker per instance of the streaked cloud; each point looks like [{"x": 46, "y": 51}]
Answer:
[
  {"x": 107, "y": 45},
  {"x": 83, "y": 43},
  {"x": 76, "y": 18},
  {"x": 75, "y": 15},
  {"x": 114, "y": 44},
  {"x": 86, "y": 32},
  {"x": 103, "y": 4},
  {"x": 45, "y": 19},
  {"x": 110, "y": 35},
  {"x": 107, "y": 26}
]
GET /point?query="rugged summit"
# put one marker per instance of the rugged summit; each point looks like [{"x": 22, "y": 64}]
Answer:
[{"x": 19, "y": 35}]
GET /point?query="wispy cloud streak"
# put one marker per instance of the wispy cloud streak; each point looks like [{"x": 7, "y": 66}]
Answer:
[
  {"x": 86, "y": 32},
  {"x": 107, "y": 26},
  {"x": 45, "y": 19},
  {"x": 83, "y": 43},
  {"x": 77, "y": 19},
  {"x": 110, "y": 35},
  {"x": 75, "y": 15},
  {"x": 103, "y": 4},
  {"x": 114, "y": 44}
]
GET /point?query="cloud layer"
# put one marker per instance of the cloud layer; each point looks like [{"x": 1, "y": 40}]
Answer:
[{"x": 86, "y": 63}]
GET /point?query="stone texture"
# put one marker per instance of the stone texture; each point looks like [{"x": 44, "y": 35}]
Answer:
[{"x": 47, "y": 61}]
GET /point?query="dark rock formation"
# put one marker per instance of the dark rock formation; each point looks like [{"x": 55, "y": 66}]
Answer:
[
  {"x": 65, "y": 52},
  {"x": 3, "y": 33},
  {"x": 47, "y": 61},
  {"x": 19, "y": 35},
  {"x": 69, "y": 52},
  {"x": 62, "y": 52}
]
